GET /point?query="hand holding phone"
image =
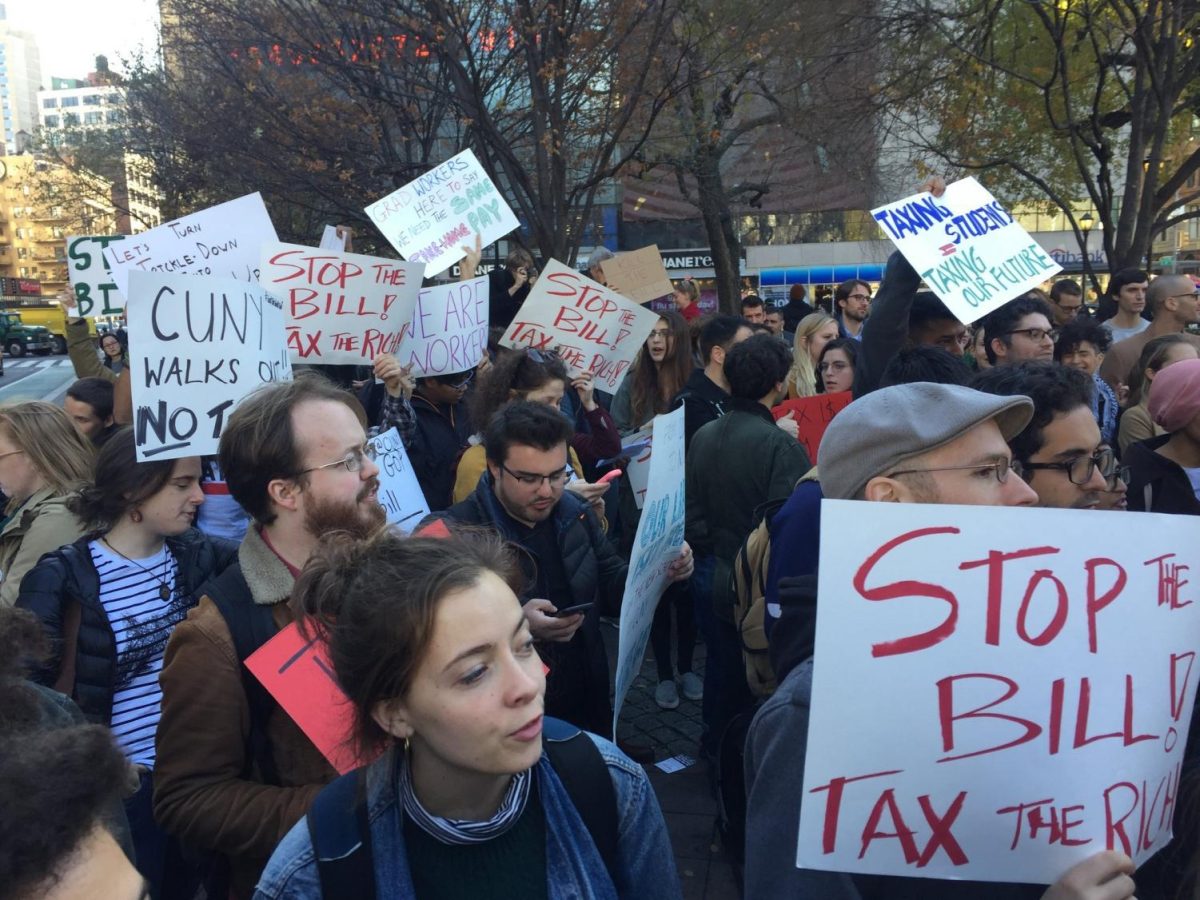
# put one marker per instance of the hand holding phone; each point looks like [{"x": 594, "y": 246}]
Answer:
[{"x": 572, "y": 610}]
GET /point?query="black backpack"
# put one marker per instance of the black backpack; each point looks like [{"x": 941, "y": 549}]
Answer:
[{"x": 341, "y": 834}]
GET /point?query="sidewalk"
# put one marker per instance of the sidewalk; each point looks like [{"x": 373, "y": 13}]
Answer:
[{"x": 685, "y": 797}]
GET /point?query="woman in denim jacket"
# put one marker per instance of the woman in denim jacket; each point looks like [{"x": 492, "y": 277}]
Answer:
[{"x": 431, "y": 646}]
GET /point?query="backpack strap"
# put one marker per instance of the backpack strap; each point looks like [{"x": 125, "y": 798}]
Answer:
[
  {"x": 583, "y": 772},
  {"x": 341, "y": 839},
  {"x": 250, "y": 626}
]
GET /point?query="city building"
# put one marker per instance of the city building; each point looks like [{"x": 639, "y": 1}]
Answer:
[{"x": 20, "y": 78}]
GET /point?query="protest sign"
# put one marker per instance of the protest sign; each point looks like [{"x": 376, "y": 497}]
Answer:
[
  {"x": 431, "y": 219},
  {"x": 657, "y": 544},
  {"x": 813, "y": 415},
  {"x": 399, "y": 493},
  {"x": 593, "y": 328},
  {"x": 638, "y": 275},
  {"x": 997, "y": 693},
  {"x": 639, "y": 448},
  {"x": 331, "y": 240},
  {"x": 222, "y": 241},
  {"x": 340, "y": 307},
  {"x": 966, "y": 247},
  {"x": 197, "y": 346},
  {"x": 95, "y": 291},
  {"x": 298, "y": 674},
  {"x": 448, "y": 329}
]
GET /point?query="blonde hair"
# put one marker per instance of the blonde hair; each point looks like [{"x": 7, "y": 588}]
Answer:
[
  {"x": 62, "y": 456},
  {"x": 802, "y": 377}
]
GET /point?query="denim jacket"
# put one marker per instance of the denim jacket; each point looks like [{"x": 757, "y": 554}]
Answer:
[{"x": 574, "y": 869}]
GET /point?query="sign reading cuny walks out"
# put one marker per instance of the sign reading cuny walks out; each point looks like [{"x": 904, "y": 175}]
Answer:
[
  {"x": 340, "y": 307},
  {"x": 197, "y": 346},
  {"x": 95, "y": 291},
  {"x": 448, "y": 330},
  {"x": 966, "y": 247},
  {"x": 657, "y": 544},
  {"x": 593, "y": 328},
  {"x": 997, "y": 695},
  {"x": 222, "y": 241},
  {"x": 431, "y": 219}
]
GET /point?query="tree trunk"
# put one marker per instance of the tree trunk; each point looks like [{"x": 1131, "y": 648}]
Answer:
[{"x": 722, "y": 240}]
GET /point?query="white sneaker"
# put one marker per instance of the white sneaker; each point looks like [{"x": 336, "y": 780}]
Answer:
[
  {"x": 691, "y": 686},
  {"x": 666, "y": 696}
]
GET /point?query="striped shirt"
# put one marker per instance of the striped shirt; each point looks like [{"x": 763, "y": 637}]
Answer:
[{"x": 141, "y": 620}]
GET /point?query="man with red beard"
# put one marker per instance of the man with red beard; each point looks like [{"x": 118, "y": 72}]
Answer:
[{"x": 235, "y": 772}]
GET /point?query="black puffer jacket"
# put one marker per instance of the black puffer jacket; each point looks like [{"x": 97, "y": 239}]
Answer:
[{"x": 67, "y": 576}]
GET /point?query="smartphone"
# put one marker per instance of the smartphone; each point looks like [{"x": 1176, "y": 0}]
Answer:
[
  {"x": 609, "y": 476},
  {"x": 571, "y": 610}
]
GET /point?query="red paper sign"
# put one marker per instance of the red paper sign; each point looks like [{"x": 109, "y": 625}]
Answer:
[
  {"x": 813, "y": 415},
  {"x": 298, "y": 674}
]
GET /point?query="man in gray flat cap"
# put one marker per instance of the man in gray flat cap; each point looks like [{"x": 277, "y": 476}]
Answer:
[{"x": 911, "y": 443}]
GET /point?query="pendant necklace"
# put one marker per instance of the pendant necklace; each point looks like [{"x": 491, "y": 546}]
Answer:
[{"x": 164, "y": 591}]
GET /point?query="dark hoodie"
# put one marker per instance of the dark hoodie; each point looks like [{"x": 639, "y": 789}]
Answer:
[
  {"x": 1160, "y": 481},
  {"x": 703, "y": 401}
]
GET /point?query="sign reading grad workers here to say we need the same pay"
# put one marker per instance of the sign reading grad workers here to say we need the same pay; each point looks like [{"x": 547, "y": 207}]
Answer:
[
  {"x": 430, "y": 219},
  {"x": 997, "y": 695},
  {"x": 341, "y": 308},
  {"x": 197, "y": 346},
  {"x": 594, "y": 329},
  {"x": 92, "y": 283},
  {"x": 966, "y": 247}
]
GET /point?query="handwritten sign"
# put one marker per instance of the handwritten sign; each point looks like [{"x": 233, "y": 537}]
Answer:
[
  {"x": 331, "y": 240},
  {"x": 222, "y": 241},
  {"x": 592, "y": 327},
  {"x": 340, "y": 307},
  {"x": 448, "y": 331},
  {"x": 996, "y": 695},
  {"x": 813, "y": 415},
  {"x": 431, "y": 219},
  {"x": 639, "y": 448},
  {"x": 657, "y": 544},
  {"x": 399, "y": 493},
  {"x": 638, "y": 275},
  {"x": 95, "y": 291},
  {"x": 197, "y": 346},
  {"x": 299, "y": 675},
  {"x": 966, "y": 247}
]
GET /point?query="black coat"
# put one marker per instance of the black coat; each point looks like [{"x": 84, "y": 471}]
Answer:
[
  {"x": 67, "y": 576},
  {"x": 441, "y": 436},
  {"x": 1154, "y": 477}
]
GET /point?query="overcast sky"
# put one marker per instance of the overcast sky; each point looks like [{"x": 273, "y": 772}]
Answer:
[{"x": 70, "y": 33}]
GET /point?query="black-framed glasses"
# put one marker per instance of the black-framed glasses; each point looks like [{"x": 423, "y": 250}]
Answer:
[
  {"x": 532, "y": 479},
  {"x": 1195, "y": 295},
  {"x": 1000, "y": 468},
  {"x": 1037, "y": 335},
  {"x": 351, "y": 462},
  {"x": 1120, "y": 473},
  {"x": 461, "y": 385},
  {"x": 1079, "y": 470},
  {"x": 866, "y": 297}
]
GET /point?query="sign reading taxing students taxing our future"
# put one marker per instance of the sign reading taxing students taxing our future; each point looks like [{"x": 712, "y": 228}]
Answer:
[
  {"x": 197, "y": 346},
  {"x": 997, "y": 694},
  {"x": 593, "y": 328},
  {"x": 966, "y": 247},
  {"x": 340, "y": 308},
  {"x": 222, "y": 241},
  {"x": 92, "y": 283},
  {"x": 431, "y": 218}
]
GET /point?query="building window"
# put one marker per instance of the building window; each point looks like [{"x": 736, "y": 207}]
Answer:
[
  {"x": 23, "y": 271},
  {"x": 93, "y": 118},
  {"x": 22, "y": 253},
  {"x": 57, "y": 231},
  {"x": 70, "y": 119},
  {"x": 115, "y": 117},
  {"x": 70, "y": 101},
  {"x": 49, "y": 103},
  {"x": 91, "y": 100},
  {"x": 20, "y": 234},
  {"x": 51, "y": 121}
]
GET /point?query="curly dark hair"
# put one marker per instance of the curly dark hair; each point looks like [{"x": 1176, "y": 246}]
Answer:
[
  {"x": 1053, "y": 388},
  {"x": 517, "y": 372},
  {"x": 1081, "y": 331},
  {"x": 932, "y": 364},
  {"x": 756, "y": 365},
  {"x": 999, "y": 323}
]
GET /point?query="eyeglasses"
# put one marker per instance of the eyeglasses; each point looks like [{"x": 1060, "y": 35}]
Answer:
[
  {"x": 1037, "y": 335},
  {"x": 663, "y": 333},
  {"x": 1000, "y": 468},
  {"x": 1120, "y": 473},
  {"x": 1079, "y": 470},
  {"x": 530, "y": 479},
  {"x": 866, "y": 297},
  {"x": 352, "y": 462},
  {"x": 461, "y": 385},
  {"x": 1193, "y": 294}
]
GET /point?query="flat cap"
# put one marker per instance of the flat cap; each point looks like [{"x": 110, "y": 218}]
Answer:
[{"x": 877, "y": 432}]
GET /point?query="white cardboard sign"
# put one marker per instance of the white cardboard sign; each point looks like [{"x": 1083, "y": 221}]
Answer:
[
  {"x": 222, "y": 241},
  {"x": 657, "y": 544},
  {"x": 340, "y": 307},
  {"x": 331, "y": 240},
  {"x": 197, "y": 346},
  {"x": 998, "y": 693},
  {"x": 399, "y": 493},
  {"x": 448, "y": 330},
  {"x": 95, "y": 291},
  {"x": 966, "y": 247},
  {"x": 593, "y": 328},
  {"x": 432, "y": 218}
]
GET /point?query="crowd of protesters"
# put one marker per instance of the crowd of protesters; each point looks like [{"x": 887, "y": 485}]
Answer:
[{"x": 139, "y": 754}]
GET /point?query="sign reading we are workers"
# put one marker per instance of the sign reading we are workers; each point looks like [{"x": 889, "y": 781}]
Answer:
[
  {"x": 966, "y": 247},
  {"x": 997, "y": 693}
]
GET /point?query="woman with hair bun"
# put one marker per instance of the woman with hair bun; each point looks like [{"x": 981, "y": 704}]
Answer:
[
  {"x": 472, "y": 795},
  {"x": 109, "y": 601}
]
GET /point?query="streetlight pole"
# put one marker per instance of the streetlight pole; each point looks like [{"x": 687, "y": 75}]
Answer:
[{"x": 1086, "y": 221}]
